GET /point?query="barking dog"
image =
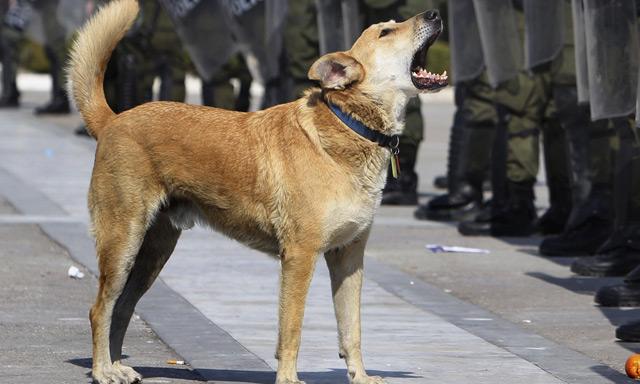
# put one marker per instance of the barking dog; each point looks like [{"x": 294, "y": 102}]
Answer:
[{"x": 295, "y": 181}]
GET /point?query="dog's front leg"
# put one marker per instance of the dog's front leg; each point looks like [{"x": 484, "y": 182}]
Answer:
[
  {"x": 345, "y": 267},
  {"x": 297, "y": 268}
]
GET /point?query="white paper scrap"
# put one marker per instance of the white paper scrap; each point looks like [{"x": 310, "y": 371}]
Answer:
[
  {"x": 436, "y": 248},
  {"x": 75, "y": 273}
]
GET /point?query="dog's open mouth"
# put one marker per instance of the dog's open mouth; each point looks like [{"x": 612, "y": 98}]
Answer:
[{"x": 423, "y": 79}]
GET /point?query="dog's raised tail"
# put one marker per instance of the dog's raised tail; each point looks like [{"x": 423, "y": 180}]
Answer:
[{"x": 89, "y": 57}]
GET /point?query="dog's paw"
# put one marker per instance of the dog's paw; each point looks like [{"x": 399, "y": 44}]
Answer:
[
  {"x": 116, "y": 374},
  {"x": 368, "y": 380},
  {"x": 289, "y": 381},
  {"x": 131, "y": 375}
]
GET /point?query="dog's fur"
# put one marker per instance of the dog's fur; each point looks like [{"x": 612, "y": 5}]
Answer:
[{"x": 291, "y": 180}]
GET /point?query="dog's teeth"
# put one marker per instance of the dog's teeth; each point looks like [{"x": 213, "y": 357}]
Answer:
[{"x": 444, "y": 73}]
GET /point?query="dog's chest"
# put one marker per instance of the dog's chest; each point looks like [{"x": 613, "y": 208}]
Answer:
[{"x": 348, "y": 218}]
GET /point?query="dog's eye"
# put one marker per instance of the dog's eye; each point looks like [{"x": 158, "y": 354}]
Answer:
[{"x": 385, "y": 32}]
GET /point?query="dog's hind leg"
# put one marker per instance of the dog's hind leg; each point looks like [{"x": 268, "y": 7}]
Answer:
[
  {"x": 345, "y": 268},
  {"x": 157, "y": 246},
  {"x": 121, "y": 215},
  {"x": 297, "y": 266}
]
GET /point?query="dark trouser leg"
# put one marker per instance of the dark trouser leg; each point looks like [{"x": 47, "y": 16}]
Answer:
[
  {"x": 590, "y": 222},
  {"x": 56, "y": 51},
  {"x": 10, "y": 41},
  {"x": 59, "y": 103},
  {"x": 625, "y": 241},
  {"x": 475, "y": 121},
  {"x": 620, "y": 254},
  {"x": 455, "y": 143},
  {"x": 558, "y": 178}
]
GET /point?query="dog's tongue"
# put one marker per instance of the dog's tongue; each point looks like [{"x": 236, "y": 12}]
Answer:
[{"x": 428, "y": 78}]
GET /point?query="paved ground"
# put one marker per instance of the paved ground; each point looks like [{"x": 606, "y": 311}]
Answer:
[
  {"x": 510, "y": 316},
  {"x": 44, "y": 326}
]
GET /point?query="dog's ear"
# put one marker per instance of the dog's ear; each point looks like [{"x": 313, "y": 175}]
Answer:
[{"x": 336, "y": 70}]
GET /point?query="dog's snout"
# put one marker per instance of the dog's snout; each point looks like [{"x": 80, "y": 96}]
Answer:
[{"x": 432, "y": 15}]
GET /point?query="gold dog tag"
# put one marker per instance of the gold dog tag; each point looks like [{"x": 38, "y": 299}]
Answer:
[
  {"x": 395, "y": 160},
  {"x": 395, "y": 164}
]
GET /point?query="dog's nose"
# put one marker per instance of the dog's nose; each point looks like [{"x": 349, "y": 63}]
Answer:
[{"x": 432, "y": 15}]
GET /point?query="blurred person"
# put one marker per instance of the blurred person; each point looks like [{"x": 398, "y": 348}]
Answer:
[
  {"x": 474, "y": 122},
  {"x": 55, "y": 48},
  {"x": 301, "y": 45},
  {"x": 540, "y": 100},
  {"x": 590, "y": 148},
  {"x": 520, "y": 100},
  {"x": 613, "y": 65},
  {"x": 247, "y": 46},
  {"x": 15, "y": 20},
  {"x": 48, "y": 22},
  {"x": 150, "y": 49},
  {"x": 9, "y": 83},
  {"x": 611, "y": 34}
]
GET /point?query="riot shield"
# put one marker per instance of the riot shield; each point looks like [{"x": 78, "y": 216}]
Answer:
[
  {"x": 612, "y": 57},
  {"x": 21, "y": 16},
  {"x": 258, "y": 30},
  {"x": 339, "y": 24},
  {"x": 45, "y": 21},
  {"x": 500, "y": 38},
  {"x": 466, "y": 48},
  {"x": 203, "y": 28},
  {"x": 544, "y": 27},
  {"x": 72, "y": 14},
  {"x": 582, "y": 74},
  {"x": 638, "y": 103}
]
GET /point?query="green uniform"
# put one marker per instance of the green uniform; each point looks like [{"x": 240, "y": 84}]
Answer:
[
  {"x": 11, "y": 40},
  {"x": 55, "y": 46},
  {"x": 218, "y": 92},
  {"x": 168, "y": 60},
  {"x": 151, "y": 48},
  {"x": 301, "y": 45}
]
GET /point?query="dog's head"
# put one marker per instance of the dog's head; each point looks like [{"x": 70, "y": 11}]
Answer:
[{"x": 387, "y": 58}]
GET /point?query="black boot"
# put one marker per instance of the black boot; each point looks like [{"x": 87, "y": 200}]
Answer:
[
  {"x": 467, "y": 165},
  {"x": 622, "y": 295},
  {"x": 617, "y": 257},
  {"x": 629, "y": 332},
  {"x": 516, "y": 218},
  {"x": 554, "y": 219},
  {"x": 480, "y": 225},
  {"x": 519, "y": 216},
  {"x": 59, "y": 105},
  {"x": 10, "y": 98},
  {"x": 404, "y": 189},
  {"x": 588, "y": 228},
  {"x": 441, "y": 182},
  {"x": 468, "y": 172}
]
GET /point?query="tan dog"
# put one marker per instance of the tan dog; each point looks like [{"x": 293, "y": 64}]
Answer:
[{"x": 292, "y": 180}]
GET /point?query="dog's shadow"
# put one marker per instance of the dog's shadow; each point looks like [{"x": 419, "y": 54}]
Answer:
[{"x": 244, "y": 376}]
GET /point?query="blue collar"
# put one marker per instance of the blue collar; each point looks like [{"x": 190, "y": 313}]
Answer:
[{"x": 390, "y": 142}]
